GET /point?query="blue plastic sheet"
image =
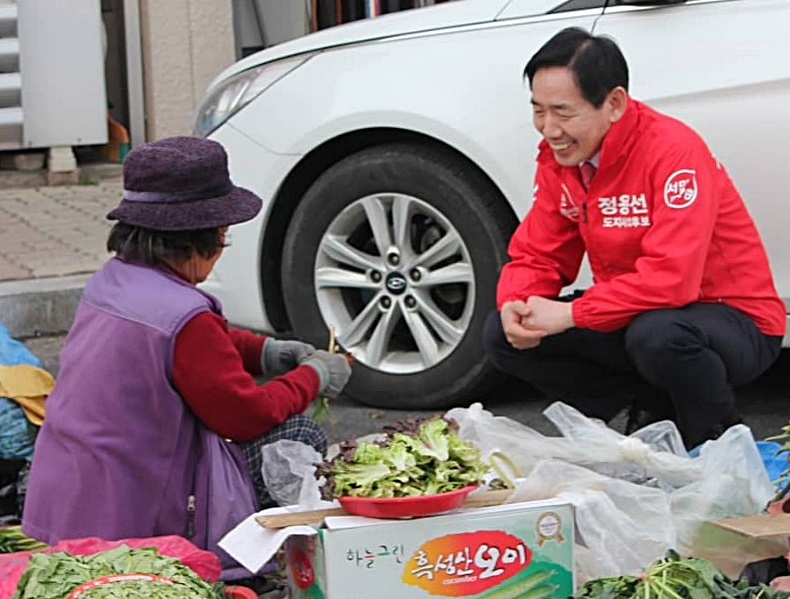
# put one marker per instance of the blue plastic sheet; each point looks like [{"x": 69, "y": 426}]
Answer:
[
  {"x": 775, "y": 461},
  {"x": 12, "y": 352},
  {"x": 16, "y": 441},
  {"x": 15, "y": 438}
]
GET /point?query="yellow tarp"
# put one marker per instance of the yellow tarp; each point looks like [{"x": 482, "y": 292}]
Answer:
[{"x": 29, "y": 386}]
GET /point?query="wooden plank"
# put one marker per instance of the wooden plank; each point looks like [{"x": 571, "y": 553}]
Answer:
[
  {"x": 764, "y": 526},
  {"x": 298, "y": 518},
  {"x": 485, "y": 499}
]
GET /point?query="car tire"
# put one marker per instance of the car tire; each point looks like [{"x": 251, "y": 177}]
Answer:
[{"x": 422, "y": 348}]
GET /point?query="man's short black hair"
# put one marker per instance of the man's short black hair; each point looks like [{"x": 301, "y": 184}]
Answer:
[{"x": 596, "y": 62}]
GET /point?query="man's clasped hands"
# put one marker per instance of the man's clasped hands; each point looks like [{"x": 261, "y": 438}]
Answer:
[{"x": 526, "y": 323}]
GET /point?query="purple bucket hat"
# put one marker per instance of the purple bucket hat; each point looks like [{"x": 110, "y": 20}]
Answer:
[{"x": 181, "y": 184}]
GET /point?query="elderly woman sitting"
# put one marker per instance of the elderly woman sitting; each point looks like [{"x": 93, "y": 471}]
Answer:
[{"x": 152, "y": 380}]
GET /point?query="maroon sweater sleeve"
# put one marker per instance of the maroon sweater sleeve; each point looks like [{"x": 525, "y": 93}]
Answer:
[
  {"x": 209, "y": 372},
  {"x": 249, "y": 345}
]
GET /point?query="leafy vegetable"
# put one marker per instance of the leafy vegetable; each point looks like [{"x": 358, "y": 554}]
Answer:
[
  {"x": 674, "y": 577},
  {"x": 417, "y": 457},
  {"x": 783, "y": 482},
  {"x": 55, "y": 575},
  {"x": 12, "y": 539}
]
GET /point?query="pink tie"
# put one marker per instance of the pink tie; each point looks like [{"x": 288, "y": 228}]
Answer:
[{"x": 588, "y": 172}]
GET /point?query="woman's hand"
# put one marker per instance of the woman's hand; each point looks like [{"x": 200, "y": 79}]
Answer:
[
  {"x": 333, "y": 371},
  {"x": 279, "y": 357}
]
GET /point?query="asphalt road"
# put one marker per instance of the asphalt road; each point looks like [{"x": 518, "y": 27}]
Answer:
[{"x": 765, "y": 404}]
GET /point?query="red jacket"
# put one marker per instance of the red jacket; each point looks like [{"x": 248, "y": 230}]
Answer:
[{"x": 662, "y": 224}]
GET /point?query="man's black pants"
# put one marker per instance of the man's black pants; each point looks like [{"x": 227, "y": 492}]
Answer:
[{"x": 696, "y": 354}]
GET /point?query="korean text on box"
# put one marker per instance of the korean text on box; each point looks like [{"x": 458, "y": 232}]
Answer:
[{"x": 509, "y": 551}]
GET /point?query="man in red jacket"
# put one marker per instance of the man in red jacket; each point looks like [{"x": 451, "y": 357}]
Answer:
[{"x": 683, "y": 306}]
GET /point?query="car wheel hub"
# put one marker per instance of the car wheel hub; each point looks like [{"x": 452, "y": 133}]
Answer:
[
  {"x": 396, "y": 283},
  {"x": 395, "y": 279}
]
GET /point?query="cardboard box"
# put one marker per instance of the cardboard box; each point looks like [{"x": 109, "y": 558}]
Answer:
[
  {"x": 469, "y": 553},
  {"x": 732, "y": 543},
  {"x": 763, "y": 526}
]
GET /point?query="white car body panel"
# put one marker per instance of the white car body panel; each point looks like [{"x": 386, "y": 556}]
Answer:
[
  {"x": 412, "y": 82},
  {"x": 504, "y": 147},
  {"x": 431, "y": 18},
  {"x": 308, "y": 123},
  {"x": 244, "y": 306}
]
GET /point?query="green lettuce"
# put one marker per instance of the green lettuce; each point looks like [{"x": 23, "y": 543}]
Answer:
[{"x": 417, "y": 457}]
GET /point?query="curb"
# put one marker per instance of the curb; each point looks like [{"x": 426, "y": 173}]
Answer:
[{"x": 40, "y": 307}]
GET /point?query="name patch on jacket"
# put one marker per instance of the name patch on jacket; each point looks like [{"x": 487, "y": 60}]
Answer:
[{"x": 624, "y": 211}]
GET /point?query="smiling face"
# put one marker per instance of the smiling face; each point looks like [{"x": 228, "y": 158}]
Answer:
[{"x": 572, "y": 126}]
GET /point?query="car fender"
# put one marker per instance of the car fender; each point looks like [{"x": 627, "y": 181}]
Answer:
[
  {"x": 252, "y": 167},
  {"x": 485, "y": 116}
]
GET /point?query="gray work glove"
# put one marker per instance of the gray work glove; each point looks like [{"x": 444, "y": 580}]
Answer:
[
  {"x": 333, "y": 372},
  {"x": 278, "y": 357}
]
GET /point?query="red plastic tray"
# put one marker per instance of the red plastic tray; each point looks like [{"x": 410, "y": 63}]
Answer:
[
  {"x": 238, "y": 592},
  {"x": 405, "y": 507}
]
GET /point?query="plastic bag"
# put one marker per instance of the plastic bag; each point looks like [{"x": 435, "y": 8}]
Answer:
[
  {"x": 16, "y": 438},
  {"x": 289, "y": 473},
  {"x": 14, "y": 352},
  {"x": 620, "y": 526},
  {"x": 776, "y": 460},
  {"x": 727, "y": 478},
  {"x": 225, "y": 494},
  {"x": 733, "y": 482},
  {"x": 655, "y": 452}
]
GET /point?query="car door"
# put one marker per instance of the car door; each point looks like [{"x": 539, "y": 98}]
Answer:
[{"x": 723, "y": 67}]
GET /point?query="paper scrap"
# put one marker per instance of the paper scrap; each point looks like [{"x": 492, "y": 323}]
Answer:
[{"x": 252, "y": 545}]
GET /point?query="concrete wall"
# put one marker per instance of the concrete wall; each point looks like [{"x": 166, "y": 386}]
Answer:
[{"x": 185, "y": 44}]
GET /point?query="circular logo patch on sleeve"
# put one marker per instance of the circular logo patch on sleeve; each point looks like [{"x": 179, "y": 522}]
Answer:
[{"x": 680, "y": 189}]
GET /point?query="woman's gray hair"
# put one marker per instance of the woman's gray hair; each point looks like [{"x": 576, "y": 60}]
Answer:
[{"x": 148, "y": 246}]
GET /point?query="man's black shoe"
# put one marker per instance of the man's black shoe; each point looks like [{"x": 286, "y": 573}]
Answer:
[
  {"x": 713, "y": 432},
  {"x": 638, "y": 419},
  {"x": 647, "y": 410}
]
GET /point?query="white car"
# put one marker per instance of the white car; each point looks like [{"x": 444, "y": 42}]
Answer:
[{"x": 395, "y": 157}]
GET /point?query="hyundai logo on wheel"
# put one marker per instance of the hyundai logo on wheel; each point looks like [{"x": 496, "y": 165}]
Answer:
[{"x": 396, "y": 283}]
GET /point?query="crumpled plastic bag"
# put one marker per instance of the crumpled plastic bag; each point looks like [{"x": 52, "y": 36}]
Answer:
[
  {"x": 733, "y": 482},
  {"x": 655, "y": 452},
  {"x": 727, "y": 479},
  {"x": 620, "y": 525},
  {"x": 289, "y": 473}
]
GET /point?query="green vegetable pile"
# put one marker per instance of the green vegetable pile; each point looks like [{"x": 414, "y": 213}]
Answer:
[
  {"x": 783, "y": 482},
  {"x": 55, "y": 575},
  {"x": 417, "y": 457},
  {"x": 674, "y": 577},
  {"x": 12, "y": 539}
]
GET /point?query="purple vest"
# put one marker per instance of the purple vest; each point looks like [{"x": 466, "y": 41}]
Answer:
[{"x": 116, "y": 456}]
